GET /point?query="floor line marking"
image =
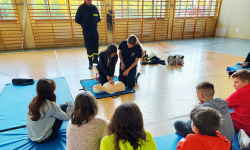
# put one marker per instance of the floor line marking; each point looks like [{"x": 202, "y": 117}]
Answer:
[{"x": 59, "y": 64}]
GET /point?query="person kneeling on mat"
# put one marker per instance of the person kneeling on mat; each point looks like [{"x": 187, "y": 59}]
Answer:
[
  {"x": 130, "y": 53},
  {"x": 106, "y": 64},
  {"x": 45, "y": 117}
]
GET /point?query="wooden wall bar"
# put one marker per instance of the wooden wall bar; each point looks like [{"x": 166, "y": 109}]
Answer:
[
  {"x": 195, "y": 18},
  {"x": 146, "y": 19},
  {"x": 11, "y": 32},
  {"x": 53, "y": 23}
]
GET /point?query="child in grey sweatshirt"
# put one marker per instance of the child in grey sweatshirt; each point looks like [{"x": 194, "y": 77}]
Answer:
[
  {"x": 44, "y": 117},
  {"x": 205, "y": 93}
]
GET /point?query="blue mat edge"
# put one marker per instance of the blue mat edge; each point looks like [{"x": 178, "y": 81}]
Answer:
[
  {"x": 160, "y": 145},
  {"x": 4, "y": 88}
]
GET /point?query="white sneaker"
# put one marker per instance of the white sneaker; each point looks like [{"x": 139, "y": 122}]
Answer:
[{"x": 243, "y": 139}]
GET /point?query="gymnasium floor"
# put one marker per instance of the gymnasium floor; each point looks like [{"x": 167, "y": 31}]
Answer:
[{"x": 164, "y": 93}]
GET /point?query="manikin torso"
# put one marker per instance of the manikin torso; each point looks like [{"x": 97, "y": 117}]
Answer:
[{"x": 118, "y": 86}]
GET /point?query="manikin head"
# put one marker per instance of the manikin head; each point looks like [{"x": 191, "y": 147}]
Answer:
[{"x": 97, "y": 88}]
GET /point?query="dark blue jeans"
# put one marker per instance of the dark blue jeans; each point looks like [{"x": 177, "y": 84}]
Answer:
[{"x": 183, "y": 128}]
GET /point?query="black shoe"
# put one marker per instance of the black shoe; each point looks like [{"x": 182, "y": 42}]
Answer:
[
  {"x": 230, "y": 73},
  {"x": 95, "y": 59},
  {"x": 90, "y": 65},
  {"x": 136, "y": 77}
]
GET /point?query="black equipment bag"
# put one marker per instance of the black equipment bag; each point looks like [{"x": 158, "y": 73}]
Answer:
[{"x": 22, "y": 82}]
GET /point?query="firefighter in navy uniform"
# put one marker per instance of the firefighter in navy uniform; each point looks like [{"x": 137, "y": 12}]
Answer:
[{"x": 87, "y": 16}]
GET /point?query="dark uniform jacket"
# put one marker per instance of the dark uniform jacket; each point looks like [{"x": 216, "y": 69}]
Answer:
[
  {"x": 102, "y": 66},
  {"x": 87, "y": 16},
  {"x": 129, "y": 54}
]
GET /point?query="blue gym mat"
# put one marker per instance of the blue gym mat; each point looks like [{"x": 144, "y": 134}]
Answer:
[
  {"x": 18, "y": 139},
  {"x": 88, "y": 84},
  {"x": 231, "y": 68},
  {"x": 230, "y": 110},
  {"x": 167, "y": 141},
  {"x": 14, "y": 102}
]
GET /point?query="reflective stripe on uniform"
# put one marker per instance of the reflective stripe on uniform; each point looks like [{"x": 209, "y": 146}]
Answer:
[
  {"x": 95, "y": 14},
  {"x": 90, "y": 55},
  {"x": 95, "y": 53}
]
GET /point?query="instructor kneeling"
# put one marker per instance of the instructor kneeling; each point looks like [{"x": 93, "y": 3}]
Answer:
[{"x": 130, "y": 52}]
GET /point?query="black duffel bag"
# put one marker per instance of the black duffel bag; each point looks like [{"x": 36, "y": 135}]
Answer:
[{"x": 22, "y": 82}]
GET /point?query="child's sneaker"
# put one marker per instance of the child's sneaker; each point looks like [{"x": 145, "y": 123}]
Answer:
[
  {"x": 243, "y": 139},
  {"x": 97, "y": 76}
]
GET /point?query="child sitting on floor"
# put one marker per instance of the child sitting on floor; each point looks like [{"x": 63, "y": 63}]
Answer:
[
  {"x": 86, "y": 129},
  {"x": 240, "y": 101},
  {"x": 205, "y": 94},
  {"x": 244, "y": 65},
  {"x": 126, "y": 130},
  {"x": 45, "y": 117},
  {"x": 205, "y": 124}
]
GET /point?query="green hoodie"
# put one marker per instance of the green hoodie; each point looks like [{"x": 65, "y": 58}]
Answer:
[{"x": 107, "y": 143}]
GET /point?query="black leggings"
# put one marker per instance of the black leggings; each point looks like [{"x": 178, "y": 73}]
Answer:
[
  {"x": 56, "y": 127},
  {"x": 183, "y": 128},
  {"x": 128, "y": 80},
  {"x": 102, "y": 78}
]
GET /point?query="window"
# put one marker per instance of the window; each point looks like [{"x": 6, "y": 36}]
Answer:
[
  {"x": 191, "y": 8},
  {"x": 57, "y": 9},
  {"x": 133, "y": 9},
  {"x": 6, "y": 10}
]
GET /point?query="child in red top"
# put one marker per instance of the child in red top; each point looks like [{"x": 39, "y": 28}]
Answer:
[
  {"x": 240, "y": 101},
  {"x": 205, "y": 124}
]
